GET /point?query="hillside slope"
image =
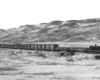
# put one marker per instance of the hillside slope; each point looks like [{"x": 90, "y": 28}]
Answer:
[{"x": 56, "y": 31}]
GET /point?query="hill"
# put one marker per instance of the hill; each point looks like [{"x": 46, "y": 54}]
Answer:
[{"x": 87, "y": 30}]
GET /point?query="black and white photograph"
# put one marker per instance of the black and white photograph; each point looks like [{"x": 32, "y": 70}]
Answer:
[{"x": 49, "y": 39}]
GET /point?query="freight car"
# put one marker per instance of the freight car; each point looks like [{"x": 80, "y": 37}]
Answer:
[{"x": 73, "y": 49}]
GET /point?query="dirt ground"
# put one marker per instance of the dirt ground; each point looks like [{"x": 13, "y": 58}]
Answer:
[{"x": 29, "y": 67}]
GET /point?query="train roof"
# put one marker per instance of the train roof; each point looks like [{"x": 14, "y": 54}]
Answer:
[
  {"x": 94, "y": 46},
  {"x": 30, "y": 43}
]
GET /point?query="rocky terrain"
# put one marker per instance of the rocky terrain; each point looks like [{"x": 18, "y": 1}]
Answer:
[
  {"x": 24, "y": 65},
  {"x": 56, "y": 31}
]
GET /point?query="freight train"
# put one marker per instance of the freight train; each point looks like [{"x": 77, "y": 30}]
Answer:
[{"x": 51, "y": 47}]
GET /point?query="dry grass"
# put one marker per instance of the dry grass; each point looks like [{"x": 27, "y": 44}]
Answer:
[{"x": 27, "y": 66}]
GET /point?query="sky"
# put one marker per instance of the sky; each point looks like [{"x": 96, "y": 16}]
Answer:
[{"x": 14, "y": 13}]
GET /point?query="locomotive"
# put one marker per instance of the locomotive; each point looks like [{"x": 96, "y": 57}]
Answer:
[{"x": 51, "y": 47}]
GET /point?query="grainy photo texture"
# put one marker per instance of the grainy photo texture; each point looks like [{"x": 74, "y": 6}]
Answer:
[{"x": 53, "y": 40}]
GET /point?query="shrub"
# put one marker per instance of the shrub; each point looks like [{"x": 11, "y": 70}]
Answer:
[
  {"x": 41, "y": 55},
  {"x": 97, "y": 57}
]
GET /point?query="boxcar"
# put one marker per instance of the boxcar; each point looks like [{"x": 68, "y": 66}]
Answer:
[
  {"x": 78, "y": 49},
  {"x": 63, "y": 49},
  {"x": 32, "y": 47},
  {"x": 51, "y": 47},
  {"x": 45, "y": 47}
]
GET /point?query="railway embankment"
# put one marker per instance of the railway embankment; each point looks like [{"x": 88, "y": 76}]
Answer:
[{"x": 70, "y": 56}]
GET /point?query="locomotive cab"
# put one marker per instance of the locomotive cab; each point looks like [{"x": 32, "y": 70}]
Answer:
[{"x": 94, "y": 47}]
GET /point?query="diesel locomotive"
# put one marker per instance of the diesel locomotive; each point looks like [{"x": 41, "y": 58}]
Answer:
[{"x": 51, "y": 47}]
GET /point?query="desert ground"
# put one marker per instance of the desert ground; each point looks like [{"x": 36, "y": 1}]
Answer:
[{"x": 27, "y": 66}]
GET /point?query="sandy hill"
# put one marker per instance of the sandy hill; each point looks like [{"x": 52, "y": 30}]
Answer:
[{"x": 87, "y": 30}]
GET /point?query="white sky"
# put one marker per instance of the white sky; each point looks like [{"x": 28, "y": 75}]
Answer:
[{"x": 14, "y": 13}]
